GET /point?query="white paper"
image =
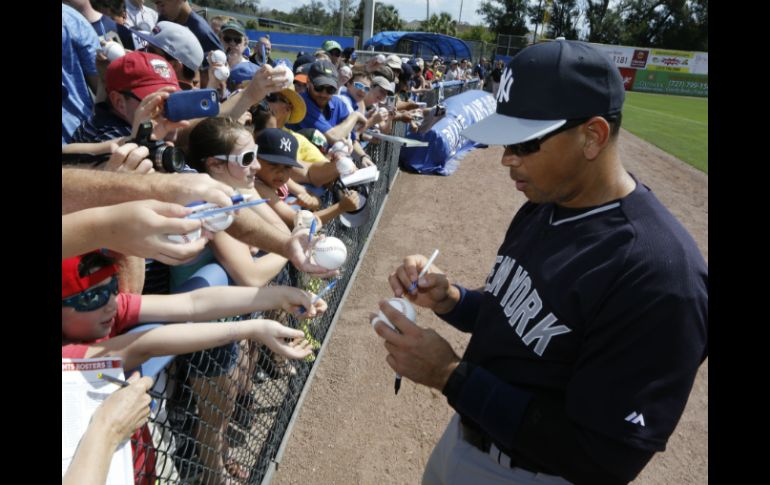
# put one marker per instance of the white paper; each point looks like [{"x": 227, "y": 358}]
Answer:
[
  {"x": 362, "y": 176},
  {"x": 81, "y": 394}
]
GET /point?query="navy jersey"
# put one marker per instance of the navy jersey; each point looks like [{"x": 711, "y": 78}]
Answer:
[{"x": 604, "y": 309}]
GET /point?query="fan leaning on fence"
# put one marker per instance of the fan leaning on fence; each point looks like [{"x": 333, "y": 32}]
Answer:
[{"x": 93, "y": 313}]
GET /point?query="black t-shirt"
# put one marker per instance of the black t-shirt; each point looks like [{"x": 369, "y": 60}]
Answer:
[
  {"x": 497, "y": 73},
  {"x": 604, "y": 309}
]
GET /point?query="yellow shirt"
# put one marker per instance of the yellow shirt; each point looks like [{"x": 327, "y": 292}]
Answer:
[{"x": 307, "y": 152}]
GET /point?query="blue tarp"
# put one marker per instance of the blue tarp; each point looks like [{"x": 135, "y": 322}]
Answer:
[
  {"x": 446, "y": 146},
  {"x": 439, "y": 44}
]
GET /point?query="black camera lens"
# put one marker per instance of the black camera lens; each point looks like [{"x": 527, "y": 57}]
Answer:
[{"x": 168, "y": 158}]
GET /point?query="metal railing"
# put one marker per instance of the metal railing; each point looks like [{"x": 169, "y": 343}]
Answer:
[{"x": 226, "y": 411}]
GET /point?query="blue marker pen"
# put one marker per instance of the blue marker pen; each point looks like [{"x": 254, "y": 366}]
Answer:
[
  {"x": 319, "y": 295},
  {"x": 312, "y": 230}
]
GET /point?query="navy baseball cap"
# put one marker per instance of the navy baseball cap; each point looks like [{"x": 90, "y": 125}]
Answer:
[
  {"x": 547, "y": 84},
  {"x": 322, "y": 73},
  {"x": 301, "y": 61},
  {"x": 278, "y": 146}
]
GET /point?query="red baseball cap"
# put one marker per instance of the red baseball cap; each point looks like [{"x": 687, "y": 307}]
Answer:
[
  {"x": 141, "y": 73},
  {"x": 71, "y": 281}
]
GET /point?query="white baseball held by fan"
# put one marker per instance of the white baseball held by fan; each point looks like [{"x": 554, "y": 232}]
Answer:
[
  {"x": 185, "y": 238},
  {"x": 329, "y": 252},
  {"x": 400, "y": 304}
]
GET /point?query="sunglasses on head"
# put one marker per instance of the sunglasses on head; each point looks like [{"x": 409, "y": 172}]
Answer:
[
  {"x": 363, "y": 87},
  {"x": 93, "y": 298},
  {"x": 326, "y": 89},
  {"x": 244, "y": 159},
  {"x": 533, "y": 146},
  {"x": 229, "y": 39}
]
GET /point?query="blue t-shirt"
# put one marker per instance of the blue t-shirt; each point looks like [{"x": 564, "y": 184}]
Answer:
[
  {"x": 78, "y": 54},
  {"x": 322, "y": 120}
]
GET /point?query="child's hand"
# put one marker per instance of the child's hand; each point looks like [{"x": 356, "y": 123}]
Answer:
[
  {"x": 294, "y": 298},
  {"x": 274, "y": 335},
  {"x": 308, "y": 201},
  {"x": 349, "y": 200}
]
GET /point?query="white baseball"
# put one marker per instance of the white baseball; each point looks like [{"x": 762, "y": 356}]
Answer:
[
  {"x": 329, "y": 252},
  {"x": 303, "y": 219},
  {"x": 345, "y": 166},
  {"x": 222, "y": 72},
  {"x": 185, "y": 238},
  {"x": 400, "y": 304},
  {"x": 218, "y": 57},
  {"x": 113, "y": 50},
  {"x": 219, "y": 222},
  {"x": 286, "y": 71}
]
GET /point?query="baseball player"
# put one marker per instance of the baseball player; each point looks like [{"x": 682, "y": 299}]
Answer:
[{"x": 589, "y": 330}]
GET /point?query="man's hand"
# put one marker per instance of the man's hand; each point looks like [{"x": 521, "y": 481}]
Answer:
[
  {"x": 433, "y": 290},
  {"x": 265, "y": 81},
  {"x": 308, "y": 201},
  {"x": 184, "y": 188},
  {"x": 139, "y": 228},
  {"x": 129, "y": 158},
  {"x": 124, "y": 410},
  {"x": 416, "y": 353},
  {"x": 152, "y": 109},
  {"x": 298, "y": 249}
]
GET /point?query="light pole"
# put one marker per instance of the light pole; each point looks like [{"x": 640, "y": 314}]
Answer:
[
  {"x": 460, "y": 17},
  {"x": 427, "y": 10}
]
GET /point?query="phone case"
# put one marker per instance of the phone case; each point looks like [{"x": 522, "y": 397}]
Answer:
[{"x": 196, "y": 103}]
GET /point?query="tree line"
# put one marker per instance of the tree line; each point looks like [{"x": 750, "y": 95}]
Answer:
[{"x": 671, "y": 24}]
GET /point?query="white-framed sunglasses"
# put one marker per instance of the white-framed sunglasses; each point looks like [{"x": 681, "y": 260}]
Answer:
[{"x": 245, "y": 159}]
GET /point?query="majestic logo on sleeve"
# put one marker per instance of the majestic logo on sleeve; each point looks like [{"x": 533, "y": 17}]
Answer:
[
  {"x": 504, "y": 91},
  {"x": 522, "y": 304}
]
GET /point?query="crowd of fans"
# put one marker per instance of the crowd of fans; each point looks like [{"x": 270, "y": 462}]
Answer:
[{"x": 285, "y": 132}]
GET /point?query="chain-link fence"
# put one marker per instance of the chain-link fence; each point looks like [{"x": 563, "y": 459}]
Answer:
[
  {"x": 226, "y": 411},
  {"x": 446, "y": 89}
]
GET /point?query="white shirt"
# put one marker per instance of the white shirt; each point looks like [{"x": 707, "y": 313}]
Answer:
[{"x": 143, "y": 18}]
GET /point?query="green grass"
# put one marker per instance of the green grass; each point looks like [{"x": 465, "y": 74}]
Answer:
[{"x": 676, "y": 124}]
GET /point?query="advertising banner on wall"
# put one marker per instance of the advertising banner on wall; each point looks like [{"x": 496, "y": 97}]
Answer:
[
  {"x": 670, "y": 61},
  {"x": 628, "y": 76},
  {"x": 639, "y": 59},
  {"x": 662, "y": 82},
  {"x": 620, "y": 55}
]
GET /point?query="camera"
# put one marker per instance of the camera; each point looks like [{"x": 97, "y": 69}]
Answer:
[
  {"x": 165, "y": 158},
  {"x": 439, "y": 110}
]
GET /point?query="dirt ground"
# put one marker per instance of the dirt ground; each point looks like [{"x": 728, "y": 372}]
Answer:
[{"x": 352, "y": 429}]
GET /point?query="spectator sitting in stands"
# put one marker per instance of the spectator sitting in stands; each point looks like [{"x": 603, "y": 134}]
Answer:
[
  {"x": 93, "y": 313},
  {"x": 256, "y": 57},
  {"x": 300, "y": 77},
  {"x": 79, "y": 44},
  {"x": 453, "y": 73},
  {"x": 225, "y": 150},
  {"x": 233, "y": 37},
  {"x": 327, "y": 113},
  {"x": 334, "y": 50},
  {"x": 179, "y": 46},
  {"x": 128, "y": 81},
  {"x": 277, "y": 154}
]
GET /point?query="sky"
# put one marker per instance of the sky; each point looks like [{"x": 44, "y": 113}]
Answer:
[{"x": 407, "y": 9}]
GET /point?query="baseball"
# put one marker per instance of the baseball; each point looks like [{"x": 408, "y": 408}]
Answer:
[
  {"x": 218, "y": 57},
  {"x": 345, "y": 166},
  {"x": 185, "y": 238},
  {"x": 400, "y": 304},
  {"x": 219, "y": 222},
  {"x": 303, "y": 219},
  {"x": 329, "y": 252},
  {"x": 286, "y": 71},
  {"x": 222, "y": 72},
  {"x": 113, "y": 50}
]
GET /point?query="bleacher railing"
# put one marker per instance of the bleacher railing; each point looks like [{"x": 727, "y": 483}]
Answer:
[{"x": 226, "y": 411}]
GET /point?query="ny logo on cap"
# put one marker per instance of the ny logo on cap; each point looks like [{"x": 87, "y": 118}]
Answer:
[
  {"x": 504, "y": 91},
  {"x": 285, "y": 144}
]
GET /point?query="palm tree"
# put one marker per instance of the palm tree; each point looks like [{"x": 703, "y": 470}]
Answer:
[{"x": 440, "y": 24}]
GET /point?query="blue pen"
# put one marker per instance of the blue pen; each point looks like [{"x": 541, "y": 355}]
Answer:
[
  {"x": 236, "y": 199},
  {"x": 220, "y": 210},
  {"x": 312, "y": 230},
  {"x": 319, "y": 295}
]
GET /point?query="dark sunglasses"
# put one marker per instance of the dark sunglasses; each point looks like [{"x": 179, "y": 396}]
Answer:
[
  {"x": 326, "y": 89},
  {"x": 92, "y": 299},
  {"x": 229, "y": 39},
  {"x": 533, "y": 146},
  {"x": 275, "y": 98},
  {"x": 131, "y": 95}
]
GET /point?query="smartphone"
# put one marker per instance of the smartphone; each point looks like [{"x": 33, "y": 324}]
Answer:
[{"x": 195, "y": 103}]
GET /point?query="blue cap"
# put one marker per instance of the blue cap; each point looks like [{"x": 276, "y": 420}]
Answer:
[{"x": 243, "y": 71}]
